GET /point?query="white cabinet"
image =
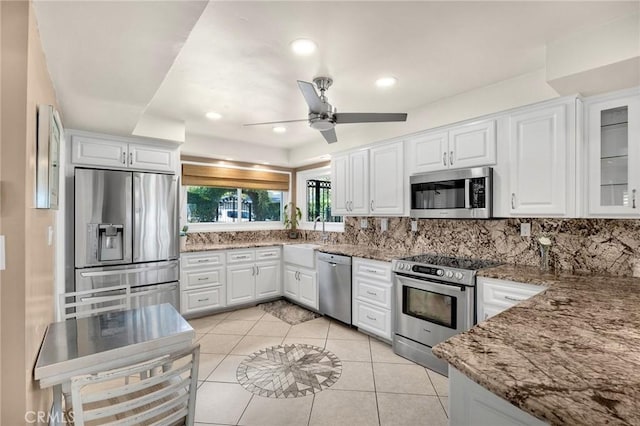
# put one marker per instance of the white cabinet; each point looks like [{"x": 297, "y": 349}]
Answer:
[
  {"x": 301, "y": 285},
  {"x": 387, "y": 179},
  {"x": 103, "y": 152},
  {"x": 612, "y": 132},
  {"x": 542, "y": 161},
  {"x": 369, "y": 181},
  {"x": 495, "y": 296},
  {"x": 372, "y": 288},
  {"x": 471, "y": 404},
  {"x": 464, "y": 146},
  {"x": 248, "y": 280},
  {"x": 202, "y": 282}
]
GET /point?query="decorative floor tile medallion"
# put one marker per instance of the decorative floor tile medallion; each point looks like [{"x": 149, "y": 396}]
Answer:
[{"x": 289, "y": 371}]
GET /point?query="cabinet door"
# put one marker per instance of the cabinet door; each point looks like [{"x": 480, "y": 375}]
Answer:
[
  {"x": 472, "y": 145},
  {"x": 373, "y": 319},
  {"x": 387, "y": 179},
  {"x": 614, "y": 153},
  {"x": 308, "y": 288},
  {"x": 291, "y": 285},
  {"x": 267, "y": 279},
  {"x": 429, "y": 152},
  {"x": 241, "y": 284},
  {"x": 538, "y": 162},
  {"x": 150, "y": 158},
  {"x": 340, "y": 185},
  {"x": 98, "y": 152},
  {"x": 359, "y": 182}
]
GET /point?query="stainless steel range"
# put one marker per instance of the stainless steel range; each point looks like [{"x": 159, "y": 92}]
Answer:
[{"x": 435, "y": 300}]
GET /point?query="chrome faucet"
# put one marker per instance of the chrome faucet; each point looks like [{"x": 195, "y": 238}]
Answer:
[{"x": 325, "y": 236}]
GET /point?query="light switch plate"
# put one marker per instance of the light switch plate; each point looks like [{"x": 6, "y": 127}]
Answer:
[
  {"x": 364, "y": 223},
  {"x": 525, "y": 229},
  {"x": 384, "y": 224},
  {"x": 2, "y": 252},
  {"x": 414, "y": 226}
]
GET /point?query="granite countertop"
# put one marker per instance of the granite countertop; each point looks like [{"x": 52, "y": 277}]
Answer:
[
  {"x": 384, "y": 255},
  {"x": 569, "y": 355}
]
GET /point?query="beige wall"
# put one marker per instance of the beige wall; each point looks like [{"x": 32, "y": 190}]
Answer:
[{"x": 27, "y": 304}]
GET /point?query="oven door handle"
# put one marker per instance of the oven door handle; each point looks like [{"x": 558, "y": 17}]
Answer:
[{"x": 422, "y": 283}]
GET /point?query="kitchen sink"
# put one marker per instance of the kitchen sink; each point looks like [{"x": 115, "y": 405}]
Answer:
[{"x": 300, "y": 254}]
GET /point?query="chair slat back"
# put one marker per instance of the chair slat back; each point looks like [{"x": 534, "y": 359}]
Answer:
[
  {"x": 86, "y": 303},
  {"x": 161, "y": 398}
]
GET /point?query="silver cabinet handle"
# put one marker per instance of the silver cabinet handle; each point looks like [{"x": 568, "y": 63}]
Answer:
[
  {"x": 203, "y": 300},
  {"x": 257, "y": 270},
  {"x": 203, "y": 260},
  {"x": 372, "y": 293},
  {"x": 253, "y": 271},
  {"x": 346, "y": 205},
  {"x": 451, "y": 158},
  {"x": 350, "y": 206},
  {"x": 371, "y": 205},
  {"x": 444, "y": 158},
  {"x": 633, "y": 198},
  {"x": 514, "y": 299},
  {"x": 203, "y": 278},
  {"x": 373, "y": 271},
  {"x": 131, "y": 158},
  {"x": 124, "y": 158},
  {"x": 371, "y": 318},
  {"x": 513, "y": 200}
]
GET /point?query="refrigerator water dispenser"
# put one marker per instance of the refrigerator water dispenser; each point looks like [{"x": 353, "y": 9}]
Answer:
[{"x": 110, "y": 242}]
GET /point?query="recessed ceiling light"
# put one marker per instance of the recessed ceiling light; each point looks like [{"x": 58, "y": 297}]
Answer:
[
  {"x": 266, "y": 163},
  {"x": 229, "y": 159},
  {"x": 303, "y": 46},
  {"x": 279, "y": 129},
  {"x": 213, "y": 115},
  {"x": 386, "y": 81}
]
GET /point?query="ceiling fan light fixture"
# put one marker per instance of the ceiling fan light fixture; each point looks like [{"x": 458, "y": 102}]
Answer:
[
  {"x": 303, "y": 46},
  {"x": 386, "y": 82},
  {"x": 212, "y": 115},
  {"x": 279, "y": 129}
]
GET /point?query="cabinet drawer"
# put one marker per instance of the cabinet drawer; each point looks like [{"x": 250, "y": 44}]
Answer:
[
  {"x": 205, "y": 259},
  {"x": 240, "y": 256},
  {"x": 372, "y": 292},
  {"x": 506, "y": 293},
  {"x": 373, "y": 319},
  {"x": 372, "y": 269},
  {"x": 268, "y": 253},
  {"x": 207, "y": 277},
  {"x": 194, "y": 300}
]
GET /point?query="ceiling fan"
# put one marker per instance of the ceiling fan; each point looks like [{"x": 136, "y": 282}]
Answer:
[{"x": 323, "y": 116}]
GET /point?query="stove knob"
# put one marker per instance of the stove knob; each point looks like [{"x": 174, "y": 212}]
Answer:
[
  {"x": 440, "y": 272},
  {"x": 406, "y": 266},
  {"x": 401, "y": 266},
  {"x": 449, "y": 274},
  {"x": 458, "y": 275}
]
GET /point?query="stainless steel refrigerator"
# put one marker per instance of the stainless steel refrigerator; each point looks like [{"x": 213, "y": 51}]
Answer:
[{"x": 126, "y": 233}]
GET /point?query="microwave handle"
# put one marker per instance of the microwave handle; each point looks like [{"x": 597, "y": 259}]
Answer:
[{"x": 467, "y": 194}]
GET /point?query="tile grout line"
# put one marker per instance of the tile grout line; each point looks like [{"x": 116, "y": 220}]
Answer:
[
  {"x": 311, "y": 411},
  {"x": 245, "y": 409},
  {"x": 437, "y": 394},
  {"x": 375, "y": 389}
]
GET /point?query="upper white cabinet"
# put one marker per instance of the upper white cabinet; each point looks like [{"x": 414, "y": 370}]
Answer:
[
  {"x": 542, "y": 161},
  {"x": 613, "y": 156},
  {"x": 95, "y": 151},
  {"x": 468, "y": 145},
  {"x": 369, "y": 181},
  {"x": 387, "y": 179}
]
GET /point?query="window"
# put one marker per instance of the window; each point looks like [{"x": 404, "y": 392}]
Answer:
[
  {"x": 319, "y": 200},
  {"x": 209, "y": 204}
]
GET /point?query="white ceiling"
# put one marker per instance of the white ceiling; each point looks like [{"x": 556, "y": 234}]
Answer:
[{"x": 113, "y": 61}]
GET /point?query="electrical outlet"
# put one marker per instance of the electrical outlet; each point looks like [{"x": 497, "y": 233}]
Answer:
[
  {"x": 525, "y": 229},
  {"x": 384, "y": 224},
  {"x": 364, "y": 223},
  {"x": 414, "y": 226}
]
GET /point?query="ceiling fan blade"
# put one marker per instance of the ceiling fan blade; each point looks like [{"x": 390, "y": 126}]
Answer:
[
  {"x": 330, "y": 135},
  {"x": 368, "y": 117},
  {"x": 311, "y": 96},
  {"x": 276, "y": 122}
]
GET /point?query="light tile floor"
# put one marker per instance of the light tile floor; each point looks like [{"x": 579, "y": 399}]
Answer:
[{"x": 376, "y": 387}]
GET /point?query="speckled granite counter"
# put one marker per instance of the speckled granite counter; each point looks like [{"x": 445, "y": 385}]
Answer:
[
  {"x": 384, "y": 255},
  {"x": 569, "y": 355}
]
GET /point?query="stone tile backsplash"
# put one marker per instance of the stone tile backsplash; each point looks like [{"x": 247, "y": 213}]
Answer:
[{"x": 579, "y": 245}]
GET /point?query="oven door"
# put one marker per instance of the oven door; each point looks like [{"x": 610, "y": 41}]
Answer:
[{"x": 430, "y": 312}]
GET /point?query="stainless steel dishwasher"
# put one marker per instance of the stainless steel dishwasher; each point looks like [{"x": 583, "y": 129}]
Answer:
[{"x": 335, "y": 286}]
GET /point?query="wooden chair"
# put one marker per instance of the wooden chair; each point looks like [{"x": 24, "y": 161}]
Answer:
[
  {"x": 86, "y": 303},
  {"x": 165, "y": 398}
]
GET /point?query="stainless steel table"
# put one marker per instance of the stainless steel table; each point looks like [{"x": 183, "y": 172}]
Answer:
[{"x": 112, "y": 340}]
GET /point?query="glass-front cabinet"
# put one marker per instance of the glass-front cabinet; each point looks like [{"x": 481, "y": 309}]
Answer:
[{"x": 613, "y": 143}]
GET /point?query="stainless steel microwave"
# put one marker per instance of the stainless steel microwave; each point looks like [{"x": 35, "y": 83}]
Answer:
[{"x": 454, "y": 194}]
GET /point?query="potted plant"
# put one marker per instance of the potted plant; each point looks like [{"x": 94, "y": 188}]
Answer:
[
  {"x": 292, "y": 219},
  {"x": 183, "y": 238}
]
